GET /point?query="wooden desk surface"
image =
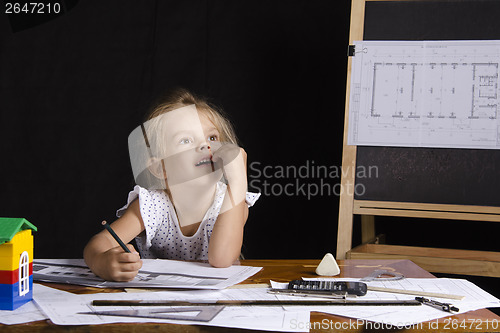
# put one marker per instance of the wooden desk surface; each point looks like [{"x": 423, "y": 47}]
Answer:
[{"x": 285, "y": 270}]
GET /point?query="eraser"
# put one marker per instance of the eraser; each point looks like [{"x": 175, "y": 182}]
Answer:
[{"x": 328, "y": 266}]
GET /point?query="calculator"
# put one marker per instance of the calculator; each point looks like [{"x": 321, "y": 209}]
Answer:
[{"x": 334, "y": 287}]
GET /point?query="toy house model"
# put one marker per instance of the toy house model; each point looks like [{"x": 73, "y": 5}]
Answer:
[{"x": 16, "y": 262}]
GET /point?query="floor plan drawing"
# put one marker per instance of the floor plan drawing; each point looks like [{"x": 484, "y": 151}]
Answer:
[{"x": 425, "y": 94}]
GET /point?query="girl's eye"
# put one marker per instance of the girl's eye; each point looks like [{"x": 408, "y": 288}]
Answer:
[
  {"x": 185, "y": 141},
  {"x": 213, "y": 138}
]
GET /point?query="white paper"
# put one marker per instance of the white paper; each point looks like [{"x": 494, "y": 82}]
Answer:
[
  {"x": 155, "y": 273},
  {"x": 63, "y": 308},
  {"x": 425, "y": 94},
  {"x": 475, "y": 298},
  {"x": 24, "y": 314}
]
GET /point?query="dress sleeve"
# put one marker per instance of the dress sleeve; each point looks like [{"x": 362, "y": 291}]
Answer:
[
  {"x": 154, "y": 209},
  {"x": 132, "y": 195},
  {"x": 251, "y": 198}
]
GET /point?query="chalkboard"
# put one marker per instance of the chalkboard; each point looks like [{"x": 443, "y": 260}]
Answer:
[{"x": 434, "y": 175}]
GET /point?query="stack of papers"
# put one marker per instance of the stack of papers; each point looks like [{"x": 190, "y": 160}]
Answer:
[{"x": 64, "y": 308}]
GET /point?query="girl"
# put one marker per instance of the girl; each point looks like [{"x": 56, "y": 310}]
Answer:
[{"x": 190, "y": 202}]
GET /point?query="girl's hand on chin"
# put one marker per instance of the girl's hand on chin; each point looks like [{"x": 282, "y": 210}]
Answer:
[
  {"x": 225, "y": 153},
  {"x": 232, "y": 159}
]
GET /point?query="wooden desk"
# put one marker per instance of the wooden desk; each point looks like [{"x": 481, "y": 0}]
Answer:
[{"x": 286, "y": 270}]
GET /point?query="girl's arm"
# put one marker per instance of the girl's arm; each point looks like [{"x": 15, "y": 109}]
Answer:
[
  {"x": 227, "y": 236},
  {"x": 106, "y": 258}
]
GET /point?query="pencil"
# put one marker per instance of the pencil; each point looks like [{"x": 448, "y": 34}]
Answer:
[{"x": 115, "y": 236}]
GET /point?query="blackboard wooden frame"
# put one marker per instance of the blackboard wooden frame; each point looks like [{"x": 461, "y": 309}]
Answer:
[{"x": 435, "y": 260}]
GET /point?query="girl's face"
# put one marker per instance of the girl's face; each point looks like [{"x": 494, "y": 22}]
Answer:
[{"x": 190, "y": 137}]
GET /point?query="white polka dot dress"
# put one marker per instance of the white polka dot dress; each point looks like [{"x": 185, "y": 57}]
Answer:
[{"x": 163, "y": 237}]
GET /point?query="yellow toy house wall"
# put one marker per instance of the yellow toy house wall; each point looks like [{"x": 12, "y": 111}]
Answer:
[{"x": 10, "y": 251}]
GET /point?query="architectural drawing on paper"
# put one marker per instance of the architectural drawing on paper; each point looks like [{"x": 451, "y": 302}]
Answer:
[{"x": 429, "y": 94}]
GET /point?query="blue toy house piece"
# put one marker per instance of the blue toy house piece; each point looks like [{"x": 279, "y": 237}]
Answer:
[{"x": 16, "y": 262}]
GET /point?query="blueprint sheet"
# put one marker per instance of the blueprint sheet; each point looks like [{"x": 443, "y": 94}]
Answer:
[
  {"x": 155, "y": 273},
  {"x": 425, "y": 94}
]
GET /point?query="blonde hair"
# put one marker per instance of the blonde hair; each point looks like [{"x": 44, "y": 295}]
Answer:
[
  {"x": 180, "y": 98},
  {"x": 153, "y": 132}
]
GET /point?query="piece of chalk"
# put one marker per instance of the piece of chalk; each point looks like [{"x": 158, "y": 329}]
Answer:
[{"x": 328, "y": 266}]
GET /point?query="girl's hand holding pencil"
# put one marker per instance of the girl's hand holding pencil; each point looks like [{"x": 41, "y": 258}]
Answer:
[
  {"x": 110, "y": 258},
  {"x": 120, "y": 266},
  {"x": 123, "y": 262}
]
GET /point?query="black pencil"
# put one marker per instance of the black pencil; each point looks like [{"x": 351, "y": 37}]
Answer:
[{"x": 115, "y": 236}]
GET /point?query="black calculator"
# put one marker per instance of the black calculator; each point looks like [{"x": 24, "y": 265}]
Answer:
[{"x": 334, "y": 287}]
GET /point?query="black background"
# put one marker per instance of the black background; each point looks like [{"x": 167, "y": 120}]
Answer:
[{"x": 74, "y": 87}]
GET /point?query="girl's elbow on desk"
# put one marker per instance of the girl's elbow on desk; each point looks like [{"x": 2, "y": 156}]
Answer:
[{"x": 218, "y": 262}]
